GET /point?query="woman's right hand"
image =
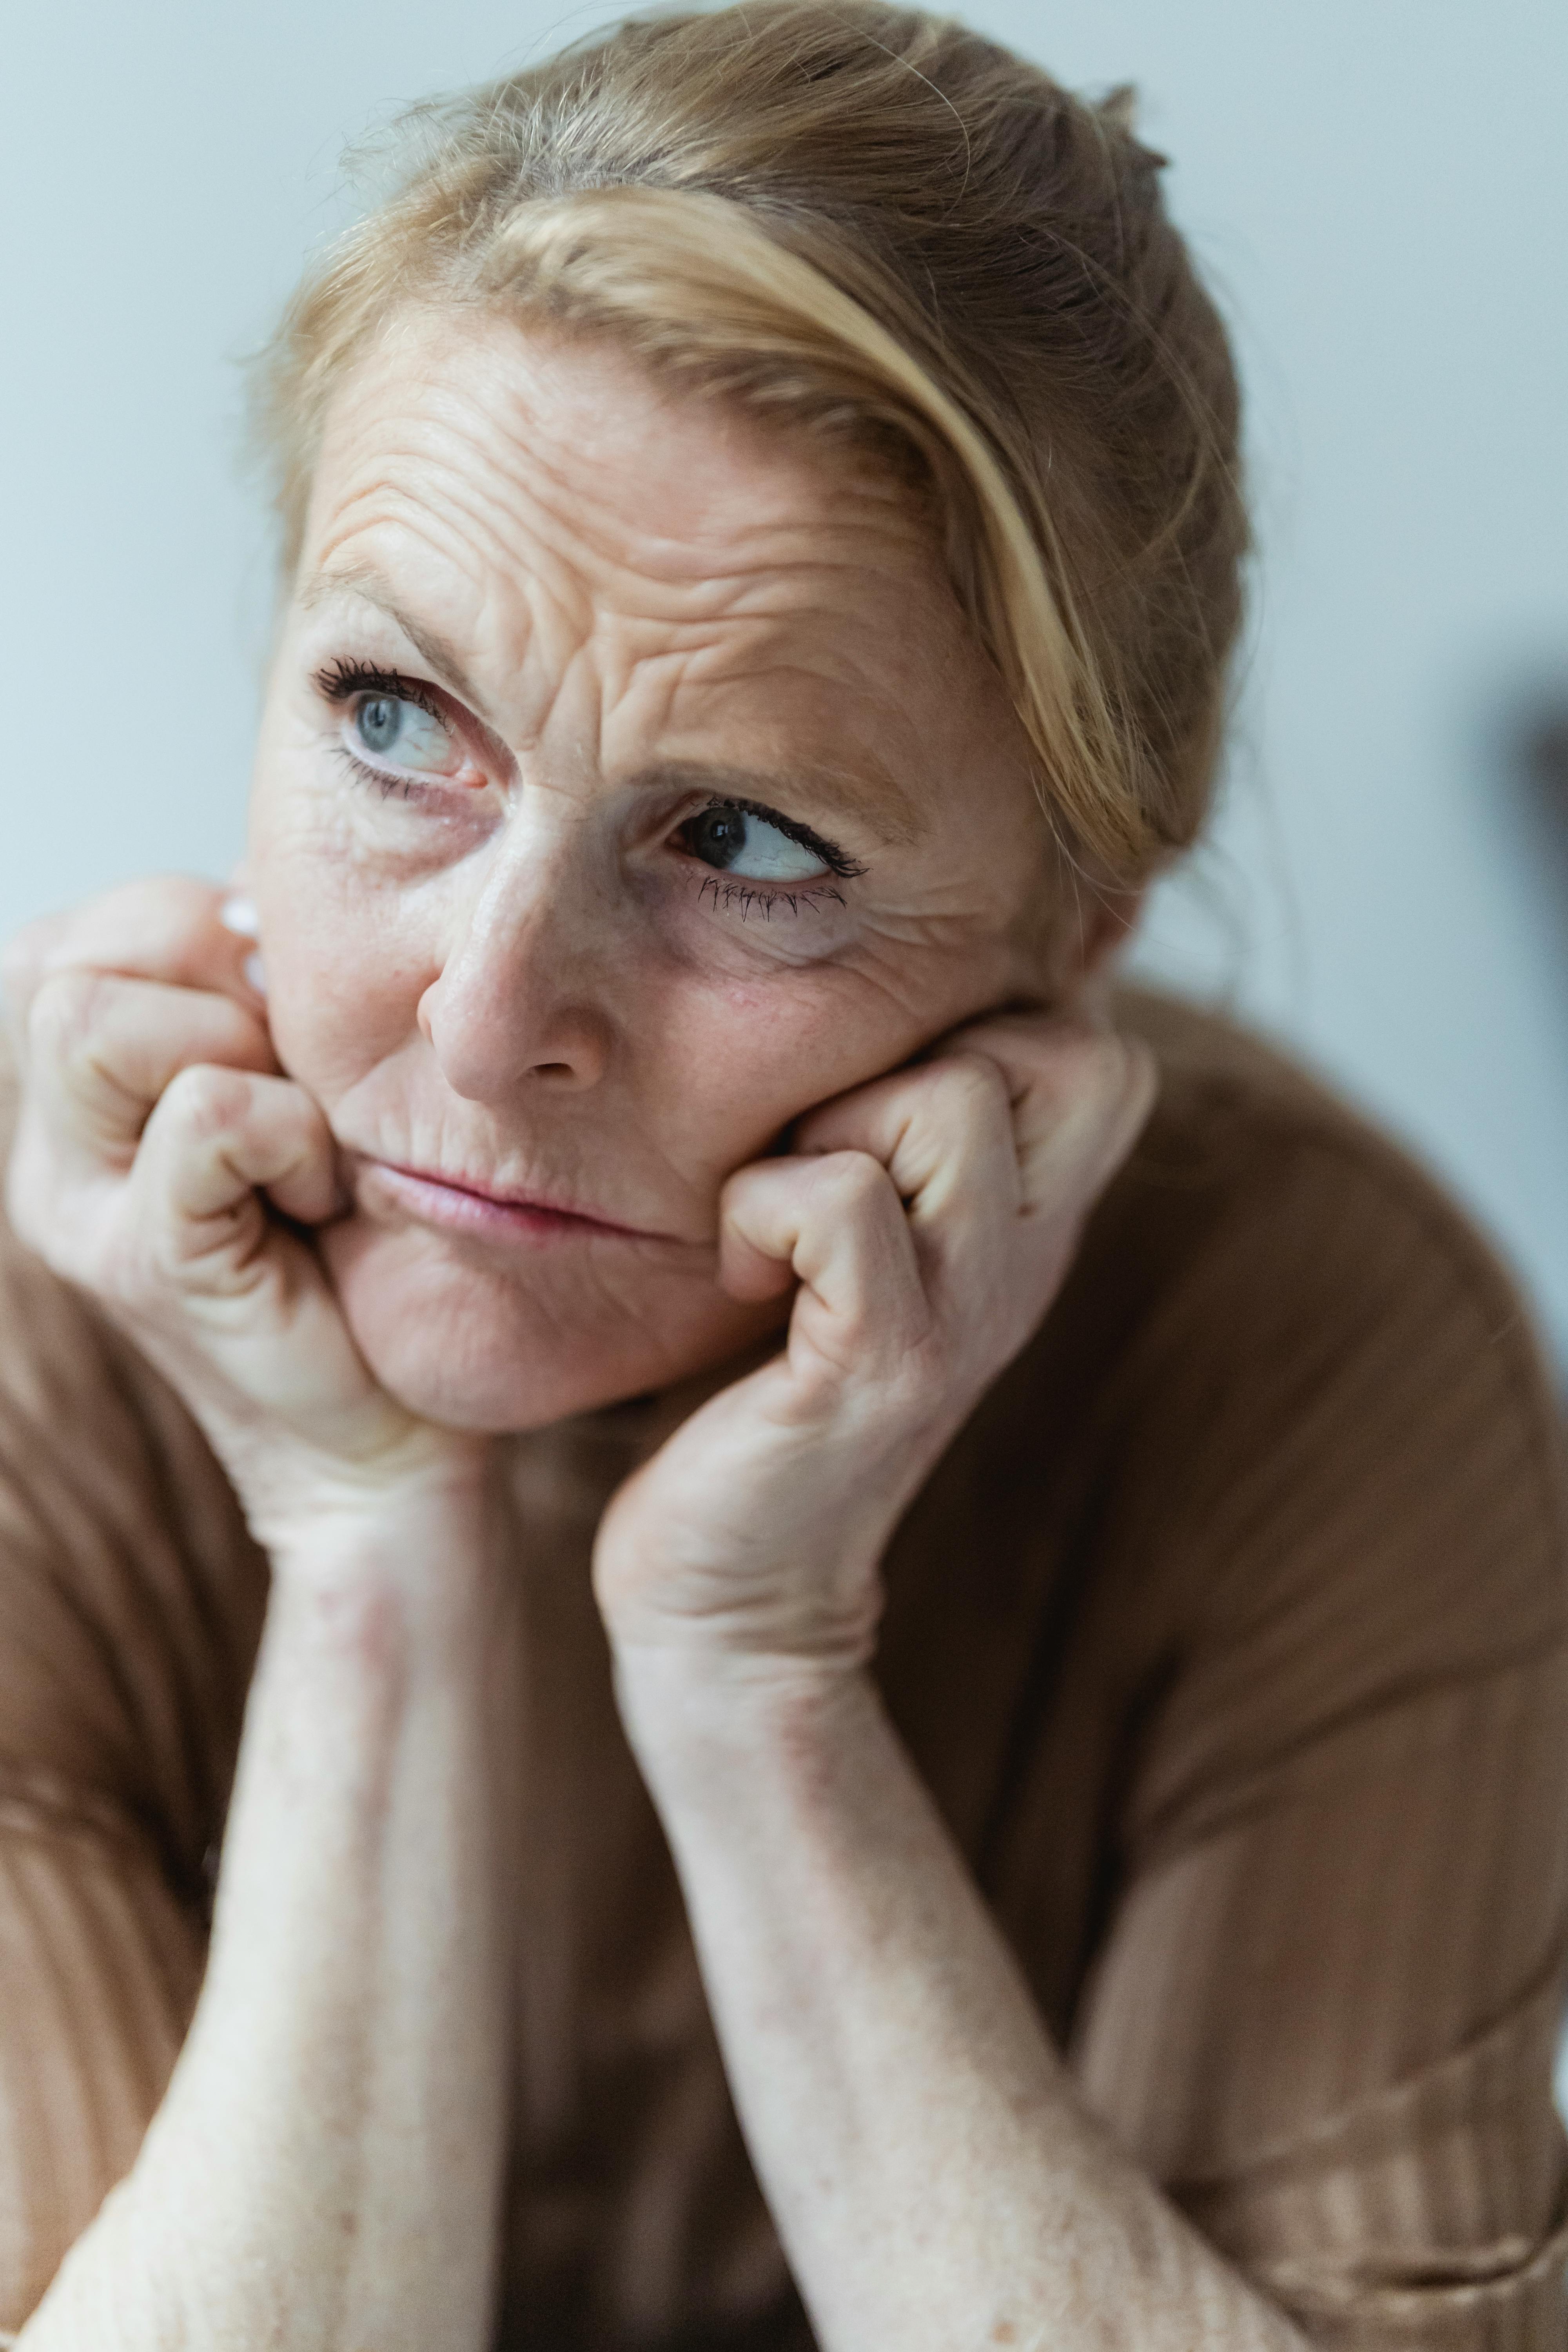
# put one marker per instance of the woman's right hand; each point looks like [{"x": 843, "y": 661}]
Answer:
[
  {"x": 324, "y": 2166},
  {"x": 158, "y": 1151}
]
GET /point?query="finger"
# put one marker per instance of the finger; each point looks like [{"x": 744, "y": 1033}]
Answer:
[
  {"x": 835, "y": 1224},
  {"x": 218, "y": 1138},
  {"x": 101, "y": 1051},
  {"x": 170, "y": 927},
  {"x": 1077, "y": 1098},
  {"x": 943, "y": 1130}
]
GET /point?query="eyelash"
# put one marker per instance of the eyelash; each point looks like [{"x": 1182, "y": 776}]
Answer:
[
  {"x": 750, "y": 895},
  {"x": 340, "y": 680}
]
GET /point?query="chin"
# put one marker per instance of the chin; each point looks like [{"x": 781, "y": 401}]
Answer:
[{"x": 471, "y": 1348}]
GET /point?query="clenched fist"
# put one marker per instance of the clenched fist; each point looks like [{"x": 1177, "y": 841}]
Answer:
[
  {"x": 928, "y": 1220},
  {"x": 165, "y": 1164}
]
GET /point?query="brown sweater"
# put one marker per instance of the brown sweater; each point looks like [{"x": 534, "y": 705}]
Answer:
[{"x": 1229, "y": 1636}]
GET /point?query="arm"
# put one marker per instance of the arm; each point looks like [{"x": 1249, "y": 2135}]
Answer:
[
  {"x": 324, "y": 2167},
  {"x": 934, "y": 2176}
]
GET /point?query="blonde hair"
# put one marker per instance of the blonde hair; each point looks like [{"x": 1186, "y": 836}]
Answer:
[{"x": 880, "y": 229}]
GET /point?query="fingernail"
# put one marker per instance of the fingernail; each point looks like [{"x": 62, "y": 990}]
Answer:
[
  {"x": 239, "y": 915},
  {"x": 255, "y": 971}
]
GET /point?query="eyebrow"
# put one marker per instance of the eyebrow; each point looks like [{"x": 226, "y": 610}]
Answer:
[
  {"x": 872, "y": 792},
  {"x": 436, "y": 651}
]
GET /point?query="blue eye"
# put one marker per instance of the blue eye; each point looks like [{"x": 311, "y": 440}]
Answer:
[
  {"x": 380, "y": 722},
  {"x": 390, "y": 727},
  {"x": 735, "y": 840}
]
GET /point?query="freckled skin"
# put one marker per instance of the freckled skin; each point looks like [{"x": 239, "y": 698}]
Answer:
[{"x": 522, "y": 976}]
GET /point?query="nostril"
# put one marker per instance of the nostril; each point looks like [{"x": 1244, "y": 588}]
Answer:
[{"x": 574, "y": 1052}]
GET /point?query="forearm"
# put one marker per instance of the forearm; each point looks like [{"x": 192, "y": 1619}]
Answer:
[
  {"x": 934, "y": 2179},
  {"x": 323, "y": 2170}
]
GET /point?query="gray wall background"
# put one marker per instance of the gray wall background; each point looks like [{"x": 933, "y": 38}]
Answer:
[{"x": 1379, "y": 191}]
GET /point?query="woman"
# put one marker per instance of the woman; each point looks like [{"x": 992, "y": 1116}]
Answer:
[{"x": 1075, "y": 1773}]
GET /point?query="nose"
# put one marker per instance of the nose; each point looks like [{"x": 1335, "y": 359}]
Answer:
[{"x": 515, "y": 1002}]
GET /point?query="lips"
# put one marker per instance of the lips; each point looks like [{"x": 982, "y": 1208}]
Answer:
[{"x": 465, "y": 1206}]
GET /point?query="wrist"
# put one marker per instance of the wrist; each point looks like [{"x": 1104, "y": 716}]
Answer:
[
  {"x": 313, "y": 1506},
  {"x": 374, "y": 1567},
  {"x": 693, "y": 1713}
]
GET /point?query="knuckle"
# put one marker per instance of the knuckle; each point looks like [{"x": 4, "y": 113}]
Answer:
[
  {"x": 853, "y": 1181},
  {"x": 206, "y": 1100},
  {"x": 66, "y": 1013},
  {"x": 969, "y": 1086}
]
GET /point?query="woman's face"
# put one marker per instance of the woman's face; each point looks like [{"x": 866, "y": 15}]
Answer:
[{"x": 628, "y": 782}]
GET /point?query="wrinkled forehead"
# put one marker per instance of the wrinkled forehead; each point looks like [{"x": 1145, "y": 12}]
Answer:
[{"x": 575, "y": 440}]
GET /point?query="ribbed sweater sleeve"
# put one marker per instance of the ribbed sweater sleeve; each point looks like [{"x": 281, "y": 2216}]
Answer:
[
  {"x": 130, "y": 1603},
  {"x": 1324, "y": 2008}
]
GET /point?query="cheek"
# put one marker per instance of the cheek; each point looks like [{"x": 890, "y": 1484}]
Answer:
[
  {"x": 736, "y": 1067},
  {"x": 776, "y": 1045},
  {"x": 342, "y": 992}
]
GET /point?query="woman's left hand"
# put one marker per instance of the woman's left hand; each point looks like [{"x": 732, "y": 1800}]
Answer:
[{"x": 928, "y": 1219}]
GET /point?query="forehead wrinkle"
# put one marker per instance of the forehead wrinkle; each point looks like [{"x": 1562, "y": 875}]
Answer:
[
  {"x": 576, "y": 507},
  {"x": 633, "y": 573},
  {"x": 537, "y": 510},
  {"x": 439, "y": 509},
  {"x": 500, "y": 549},
  {"x": 771, "y": 561},
  {"x": 553, "y": 516},
  {"x": 395, "y": 509}
]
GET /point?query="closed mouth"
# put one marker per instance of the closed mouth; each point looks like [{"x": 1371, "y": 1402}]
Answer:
[{"x": 460, "y": 1201}]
